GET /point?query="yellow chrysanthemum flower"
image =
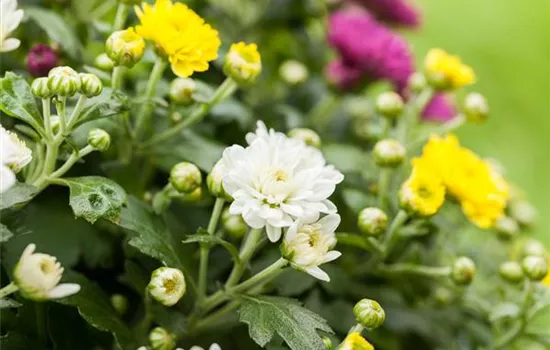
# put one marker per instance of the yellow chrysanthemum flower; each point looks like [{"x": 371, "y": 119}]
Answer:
[
  {"x": 243, "y": 62},
  {"x": 423, "y": 193},
  {"x": 180, "y": 34},
  {"x": 445, "y": 71},
  {"x": 546, "y": 280},
  {"x": 354, "y": 341}
]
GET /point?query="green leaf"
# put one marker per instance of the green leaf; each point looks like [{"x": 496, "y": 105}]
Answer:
[
  {"x": 57, "y": 29},
  {"x": 204, "y": 237},
  {"x": 94, "y": 306},
  {"x": 17, "y": 194},
  {"x": 5, "y": 233},
  {"x": 17, "y": 341},
  {"x": 346, "y": 158},
  {"x": 293, "y": 282},
  {"x": 94, "y": 197},
  {"x": 8, "y": 303},
  {"x": 232, "y": 110},
  {"x": 267, "y": 316},
  {"x": 17, "y": 101},
  {"x": 106, "y": 104}
]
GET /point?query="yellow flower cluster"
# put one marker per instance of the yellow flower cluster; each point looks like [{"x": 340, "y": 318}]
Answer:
[
  {"x": 180, "y": 34},
  {"x": 354, "y": 341},
  {"x": 446, "y": 71},
  {"x": 423, "y": 193},
  {"x": 546, "y": 280}
]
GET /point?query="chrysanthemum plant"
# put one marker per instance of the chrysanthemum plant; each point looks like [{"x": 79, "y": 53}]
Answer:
[{"x": 361, "y": 222}]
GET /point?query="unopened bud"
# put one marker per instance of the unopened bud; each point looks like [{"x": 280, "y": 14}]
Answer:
[
  {"x": 417, "y": 82},
  {"x": 243, "y": 63},
  {"x": 369, "y": 313},
  {"x": 327, "y": 342},
  {"x": 161, "y": 339},
  {"x": 293, "y": 72},
  {"x": 234, "y": 225},
  {"x": 125, "y": 47},
  {"x": 185, "y": 177},
  {"x": 215, "y": 181},
  {"x": 372, "y": 221},
  {"x": 63, "y": 81},
  {"x": 443, "y": 296},
  {"x": 90, "y": 84},
  {"x": 99, "y": 139},
  {"x": 40, "y": 89},
  {"x": 523, "y": 212},
  {"x": 389, "y": 153},
  {"x": 511, "y": 271},
  {"x": 463, "y": 271},
  {"x": 389, "y": 104},
  {"x": 103, "y": 62},
  {"x": 506, "y": 227},
  {"x": 476, "y": 107},
  {"x": 534, "y": 248},
  {"x": 182, "y": 90},
  {"x": 535, "y": 267},
  {"x": 167, "y": 285},
  {"x": 120, "y": 303},
  {"x": 310, "y": 137}
]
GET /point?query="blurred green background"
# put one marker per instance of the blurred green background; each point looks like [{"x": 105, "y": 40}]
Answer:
[{"x": 507, "y": 43}]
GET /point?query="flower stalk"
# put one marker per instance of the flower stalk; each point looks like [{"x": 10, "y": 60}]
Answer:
[
  {"x": 121, "y": 16},
  {"x": 247, "y": 250},
  {"x": 7, "y": 290}
]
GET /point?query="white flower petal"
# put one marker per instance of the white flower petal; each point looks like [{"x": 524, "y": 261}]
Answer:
[
  {"x": 329, "y": 223},
  {"x": 273, "y": 233},
  {"x": 10, "y": 44},
  {"x": 12, "y": 22},
  {"x": 7, "y": 178},
  {"x": 330, "y": 256},
  {"x": 318, "y": 273},
  {"x": 63, "y": 290},
  {"x": 215, "y": 346}
]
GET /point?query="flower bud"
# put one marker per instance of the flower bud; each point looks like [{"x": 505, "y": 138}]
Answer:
[
  {"x": 181, "y": 90},
  {"x": 63, "y": 81},
  {"x": 523, "y": 212},
  {"x": 243, "y": 63},
  {"x": 476, "y": 108},
  {"x": 161, "y": 339},
  {"x": 234, "y": 225},
  {"x": 535, "y": 267},
  {"x": 120, "y": 303},
  {"x": 99, "y": 139},
  {"x": 41, "y": 59},
  {"x": 443, "y": 296},
  {"x": 372, "y": 221},
  {"x": 417, "y": 82},
  {"x": 511, "y": 271},
  {"x": 185, "y": 177},
  {"x": 293, "y": 72},
  {"x": 167, "y": 285},
  {"x": 354, "y": 341},
  {"x": 389, "y": 104},
  {"x": 103, "y": 62},
  {"x": 534, "y": 248},
  {"x": 310, "y": 137},
  {"x": 369, "y": 314},
  {"x": 40, "y": 89},
  {"x": 463, "y": 271},
  {"x": 506, "y": 227},
  {"x": 125, "y": 47},
  {"x": 90, "y": 84},
  {"x": 327, "y": 342},
  {"x": 215, "y": 181},
  {"x": 389, "y": 153},
  {"x": 445, "y": 72}
]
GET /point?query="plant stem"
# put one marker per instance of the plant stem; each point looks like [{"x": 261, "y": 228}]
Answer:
[
  {"x": 9, "y": 289},
  {"x": 117, "y": 77},
  {"x": 121, "y": 16},
  {"x": 246, "y": 253},
  {"x": 74, "y": 157},
  {"x": 384, "y": 180},
  {"x": 46, "y": 114},
  {"x": 412, "y": 114},
  {"x": 405, "y": 268},
  {"x": 60, "y": 106},
  {"x": 391, "y": 237},
  {"x": 445, "y": 128},
  {"x": 76, "y": 111},
  {"x": 358, "y": 328},
  {"x": 41, "y": 323}
]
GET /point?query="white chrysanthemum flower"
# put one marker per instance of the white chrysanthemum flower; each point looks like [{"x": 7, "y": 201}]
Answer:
[
  {"x": 10, "y": 17},
  {"x": 7, "y": 178},
  {"x": 13, "y": 151},
  {"x": 167, "y": 285},
  {"x": 277, "y": 180},
  {"x": 308, "y": 245},
  {"x": 37, "y": 276}
]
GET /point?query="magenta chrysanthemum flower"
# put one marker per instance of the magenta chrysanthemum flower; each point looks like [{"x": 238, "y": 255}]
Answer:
[
  {"x": 342, "y": 76},
  {"x": 41, "y": 59},
  {"x": 439, "y": 109},
  {"x": 369, "y": 46},
  {"x": 396, "y": 12}
]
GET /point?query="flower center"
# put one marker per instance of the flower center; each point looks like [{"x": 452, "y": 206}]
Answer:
[
  {"x": 424, "y": 192},
  {"x": 47, "y": 267},
  {"x": 169, "y": 285}
]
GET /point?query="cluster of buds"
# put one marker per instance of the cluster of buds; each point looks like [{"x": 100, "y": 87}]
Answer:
[
  {"x": 125, "y": 47},
  {"x": 65, "y": 82}
]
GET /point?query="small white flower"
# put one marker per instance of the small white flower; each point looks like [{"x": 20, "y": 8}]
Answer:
[
  {"x": 13, "y": 151},
  {"x": 37, "y": 276},
  {"x": 167, "y": 285},
  {"x": 10, "y": 17},
  {"x": 308, "y": 245},
  {"x": 214, "y": 346},
  {"x": 277, "y": 180}
]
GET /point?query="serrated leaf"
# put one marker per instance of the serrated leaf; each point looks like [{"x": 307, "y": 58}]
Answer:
[
  {"x": 8, "y": 303},
  {"x": 204, "y": 237},
  {"x": 17, "y": 101},
  {"x": 17, "y": 194},
  {"x": 267, "y": 316},
  {"x": 5, "y": 233},
  {"x": 56, "y": 28},
  {"x": 94, "y": 197},
  {"x": 106, "y": 104}
]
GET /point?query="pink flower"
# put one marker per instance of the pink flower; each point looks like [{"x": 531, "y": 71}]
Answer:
[
  {"x": 41, "y": 59},
  {"x": 439, "y": 109},
  {"x": 396, "y": 12},
  {"x": 342, "y": 76}
]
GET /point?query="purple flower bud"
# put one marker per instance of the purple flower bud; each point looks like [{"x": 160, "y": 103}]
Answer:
[
  {"x": 395, "y": 12},
  {"x": 41, "y": 59},
  {"x": 439, "y": 109},
  {"x": 342, "y": 76}
]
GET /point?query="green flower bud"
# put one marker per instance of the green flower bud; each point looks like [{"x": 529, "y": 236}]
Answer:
[
  {"x": 185, "y": 177},
  {"x": 120, "y": 303},
  {"x": 243, "y": 63},
  {"x": 192, "y": 197},
  {"x": 175, "y": 117},
  {"x": 99, "y": 139},
  {"x": 182, "y": 90},
  {"x": 389, "y": 153},
  {"x": 40, "y": 89},
  {"x": 389, "y": 104},
  {"x": 372, "y": 221},
  {"x": 103, "y": 62},
  {"x": 63, "y": 81},
  {"x": 506, "y": 227},
  {"x": 523, "y": 212},
  {"x": 535, "y": 267},
  {"x": 215, "y": 181},
  {"x": 293, "y": 72},
  {"x": 90, "y": 84},
  {"x": 417, "y": 82},
  {"x": 310, "y": 137},
  {"x": 167, "y": 285},
  {"x": 534, "y": 248},
  {"x": 369, "y": 314},
  {"x": 327, "y": 342},
  {"x": 463, "y": 271},
  {"x": 511, "y": 271},
  {"x": 476, "y": 108},
  {"x": 125, "y": 47},
  {"x": 234, "y": 225},
  {"x": 161, "y": 339},
  {"x": 443, "y": 296}
]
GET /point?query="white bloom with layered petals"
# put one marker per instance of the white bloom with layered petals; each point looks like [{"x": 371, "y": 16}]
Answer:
[
  {"x": 10, "y": 17},
  {"x": 37, "y": 276},
  {"x": 277, "y": 180},
  {"x": 14, "y": 155},
  {"x": 167, "y": 285},
  {"x": 308, "y": 245}
]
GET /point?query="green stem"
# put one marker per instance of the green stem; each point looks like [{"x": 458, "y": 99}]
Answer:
[
  {"x": 46, "y": 114},
  {"x": 61, "y": 111},
  {"x": 358, "y": 328},
  {"x": 37, "y": 170},
  {"x": 9, "y": 289},
  {"x": 384, "y": 180},
  {"x": 121, "y": 16},
  {"x": 226, "y": 89},
  {"x": 41, "y": 323},
  {"x": 445, "y": 128},
  {"x": 73, "y": 119},
  {"x": 117, "y": 77},
  {"x": 413, "y": 113},
  {"x": 74, "y": 157},
  {"x": 386, "y": 128},
  {"x": 391, "y": 237},
  {"x": 145, "y": 115},
  {"x": 412, "y": 269},
  {"x": 247, "y": 250},
  {"x": 207, "y": 322},
  {"x": 374, "y": 245}
]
